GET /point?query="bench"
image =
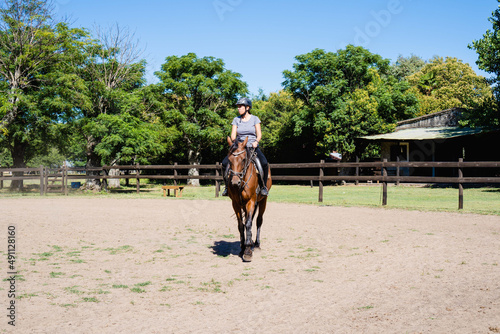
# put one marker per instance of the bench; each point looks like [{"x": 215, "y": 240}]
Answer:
[{"x": 177, "y": 190}]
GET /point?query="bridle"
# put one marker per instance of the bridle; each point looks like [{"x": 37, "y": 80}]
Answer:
[{"x": 241, "y": 174}]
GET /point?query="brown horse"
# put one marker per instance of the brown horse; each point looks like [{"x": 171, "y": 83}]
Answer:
[{"x": 243, "y": 189}]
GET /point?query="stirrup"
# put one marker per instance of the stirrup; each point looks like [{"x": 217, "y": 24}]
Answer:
[
  {"x": 264, "y": 191},
  {"x": 224, "y": 192}
]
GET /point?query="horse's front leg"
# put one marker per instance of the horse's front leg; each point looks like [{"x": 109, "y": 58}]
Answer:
[
  {"x": 250, "y": 211},
  {"x": 241, "y": 226}
]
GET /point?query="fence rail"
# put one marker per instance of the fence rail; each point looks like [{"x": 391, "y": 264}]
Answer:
[{"x": 57, "y": 178}]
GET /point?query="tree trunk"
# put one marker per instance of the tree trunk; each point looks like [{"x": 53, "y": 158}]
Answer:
[
  {"x": 18, "y": 152},
  {"x": 194, "y": 158},
  {"x": 92, "y": 161},
  {"x": 114, "y": 183}
]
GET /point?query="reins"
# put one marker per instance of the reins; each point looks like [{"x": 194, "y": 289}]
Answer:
[{"x": 248, "y": 161}]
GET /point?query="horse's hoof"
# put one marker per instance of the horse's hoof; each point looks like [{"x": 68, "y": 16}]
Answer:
[
  {"x": 247, "y": 255},
  {"x": 247, "y": 258}
]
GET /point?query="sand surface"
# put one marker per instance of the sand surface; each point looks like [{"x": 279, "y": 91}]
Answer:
[{"x": 100, "y": 265}]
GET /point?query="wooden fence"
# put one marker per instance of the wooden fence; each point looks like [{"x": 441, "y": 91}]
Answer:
[{"x": 57, "y": 179}]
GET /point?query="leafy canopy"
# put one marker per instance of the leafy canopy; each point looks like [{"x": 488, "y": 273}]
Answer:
[
  {"x": 346, "y": 95},
  {"x": 488, "y": 49},
  {"x": 446, "y": 83},
  {"x": 199, "y": 94}
]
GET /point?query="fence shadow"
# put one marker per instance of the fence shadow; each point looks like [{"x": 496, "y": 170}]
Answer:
[{"x": 225, "y": 248}]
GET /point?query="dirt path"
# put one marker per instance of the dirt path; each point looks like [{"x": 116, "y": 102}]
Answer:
[{"x": 172, "y": 266}]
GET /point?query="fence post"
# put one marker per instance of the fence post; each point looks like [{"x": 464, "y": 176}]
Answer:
[
  {"x": 138, "y": 183},
  {"x": 105, "y": 173},
  {"x": 384, "y": 183},
  {"x": 217, "y": 183},
  {"x": 46, "y": 174},
  {"x": 175, "y": 174},
  {"x": 397, "y": 170},
  {"x": 321, "y": 174},
  {"x": 65, "y": 179},
  {"x": 357, "y": 171},
  {"x": 460, "y": 186},
  {"x": 1, "y": 175},
  {"x": 42, "y": 181}
]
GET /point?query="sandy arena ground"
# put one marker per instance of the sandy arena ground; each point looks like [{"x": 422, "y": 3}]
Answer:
[{"x": 91, "y": 265}]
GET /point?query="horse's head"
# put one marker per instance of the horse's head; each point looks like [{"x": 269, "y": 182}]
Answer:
[{"x": 237, "y": 161}]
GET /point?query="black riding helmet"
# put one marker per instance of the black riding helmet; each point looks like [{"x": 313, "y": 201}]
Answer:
[{"x": 245, "y": 101}]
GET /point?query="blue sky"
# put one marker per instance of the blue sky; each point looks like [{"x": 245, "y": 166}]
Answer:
[{"x": 260, "y": 39}]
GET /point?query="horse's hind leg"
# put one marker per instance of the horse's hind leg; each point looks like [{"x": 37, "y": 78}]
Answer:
[{"x": 262, "y": 208}]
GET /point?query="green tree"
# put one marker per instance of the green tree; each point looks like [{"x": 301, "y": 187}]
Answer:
[
  {"x": 346, "y": 94},
  {"x": 36, "y": 80},
  {"x": 446, "y": 83},
  {"x": 487, "y": 49},
  {"x": 276, "y": 113},
  {"x": 114, "y": 123},
  {"x": 199, "y": 97},
  {"x": 406, "y": 66}
]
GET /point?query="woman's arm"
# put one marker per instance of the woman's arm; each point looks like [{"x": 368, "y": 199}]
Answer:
[
  {"x": 233, "y": 132},
  {"x": 258, "y": 133}
]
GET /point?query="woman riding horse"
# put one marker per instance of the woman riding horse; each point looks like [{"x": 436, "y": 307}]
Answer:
[{"x": 248, "y": 125}]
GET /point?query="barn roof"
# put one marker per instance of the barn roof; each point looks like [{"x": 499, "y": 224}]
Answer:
[{"x": 425, "y": 133}]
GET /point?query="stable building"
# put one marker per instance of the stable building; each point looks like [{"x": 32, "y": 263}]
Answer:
[{"x": 437, "y": 137}]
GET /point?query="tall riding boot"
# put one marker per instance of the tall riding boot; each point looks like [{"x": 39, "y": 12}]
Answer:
[
  {"x": 264, "y": 191},
  {"x": 224, "y": 177}
]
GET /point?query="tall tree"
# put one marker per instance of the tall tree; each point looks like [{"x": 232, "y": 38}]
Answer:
[
  {"x": 346, "y": 94},
  {"x": 114, "y": 76},
  {"x": 406, "y": 66},
  {"x": 278, "y": 138},
  {"x": 447, "y": 83},
  {"x": 488, "y": 49},
  {"x": 199, "y": 96},
  {"x": 35, "y": 78}
]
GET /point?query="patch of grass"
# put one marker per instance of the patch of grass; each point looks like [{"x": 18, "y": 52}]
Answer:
[
  {"x": 212, "y": 286},
  {"x": 73, "y": 289},
  {"x": 119, "y": 286},
  {"x": 90, "y": 299},
  {"x": 119, "y": 250},
  {"x": 68, "y": 305},
  {"x": 368, "y": 307},
  {"x": 57, "y": 248},
  {"x": 56, "y": 274},
  {"x": 137, "y": 290},
  {"x": 73, "y": 253},
  {"x": 100, "y": 292},
  {"x": 312, "y": 269},
  {"x": 76, "y": 261},
  {"x": 144, "y": 284},
  {"x": 26, "y": 295}
]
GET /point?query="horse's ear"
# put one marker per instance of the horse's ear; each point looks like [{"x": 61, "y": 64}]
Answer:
[
  {"x": 229, "y": 141},
  {"x": 245, "y": 142}
]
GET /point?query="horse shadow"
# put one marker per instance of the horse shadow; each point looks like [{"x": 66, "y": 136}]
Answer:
[{"x": 225, "y": 248}]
